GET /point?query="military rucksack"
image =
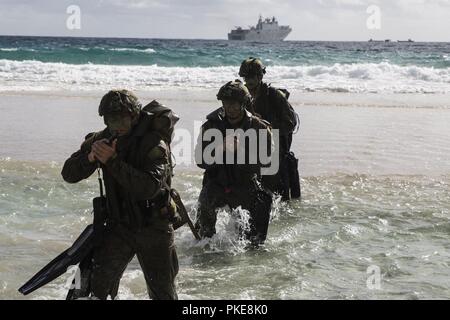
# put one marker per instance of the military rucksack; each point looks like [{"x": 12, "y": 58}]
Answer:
[
  {"x": 163, "y": 120},
  {"x": 294, "y": 115}
]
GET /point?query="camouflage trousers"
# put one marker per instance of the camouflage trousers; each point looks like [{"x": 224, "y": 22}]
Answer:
[
  {"x": 156, "y": 254},
  {"x": 286, "y": 182},
  {"x": 214, "y": 196}
]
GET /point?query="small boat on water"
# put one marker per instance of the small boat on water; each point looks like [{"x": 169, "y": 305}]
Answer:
[{"x": 387, "y": 40}]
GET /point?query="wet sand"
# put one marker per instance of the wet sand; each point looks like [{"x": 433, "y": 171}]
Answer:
[{"x": 347, "y": 133}]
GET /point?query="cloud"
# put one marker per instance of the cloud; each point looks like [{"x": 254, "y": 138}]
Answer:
[{"x": 310, "y": 19}]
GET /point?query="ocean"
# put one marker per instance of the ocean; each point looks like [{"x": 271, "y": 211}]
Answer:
[
  {"x": 30, "y": 63},
  {"x": 374, "y": 219}
]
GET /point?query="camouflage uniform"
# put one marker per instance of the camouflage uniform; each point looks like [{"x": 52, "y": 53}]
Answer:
[
  {"x": 135, "y": 183},
  {"x": 233, "y": 184},
  {"x": 272, "y": 105}
]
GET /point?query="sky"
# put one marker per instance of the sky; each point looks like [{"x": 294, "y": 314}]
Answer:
[{"x": 327, "y": 20}]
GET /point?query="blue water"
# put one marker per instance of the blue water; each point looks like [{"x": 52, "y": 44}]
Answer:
[
  {"x": 213, "y": 53},
  {"x": 375, "y": 181},
  {"x": 74, "y": 64}
]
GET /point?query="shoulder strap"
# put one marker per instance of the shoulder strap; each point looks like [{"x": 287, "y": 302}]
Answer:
[{"x": 286, "y": 93}]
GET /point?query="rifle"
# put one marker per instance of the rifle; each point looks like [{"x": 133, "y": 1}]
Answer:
[
  {"x": 100, "y": 215},
  {"x": 183, "y": 213},
  {"x": 80, "y": 252}
]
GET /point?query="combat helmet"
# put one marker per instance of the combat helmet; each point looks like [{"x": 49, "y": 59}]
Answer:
[
  {"x": 235, "y": 90},
  {"x": 118, "y": 101},
  {"x": 251, "y": 67}
]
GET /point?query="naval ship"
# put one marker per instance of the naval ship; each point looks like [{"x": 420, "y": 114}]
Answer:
[{"x": 266, "y": 30}]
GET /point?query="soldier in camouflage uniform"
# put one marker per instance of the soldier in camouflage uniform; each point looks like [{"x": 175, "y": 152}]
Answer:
[
  {"x": 137, "y": 171},
  {"x": 233, "y": 184},
  {"x": 272, "y": 105}
]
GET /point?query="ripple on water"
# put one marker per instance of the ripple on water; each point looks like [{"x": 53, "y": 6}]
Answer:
[{"x": 320, "y": 247}]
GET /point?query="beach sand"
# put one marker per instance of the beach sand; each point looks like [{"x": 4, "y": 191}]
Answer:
[{"x": 346, "y": 133}]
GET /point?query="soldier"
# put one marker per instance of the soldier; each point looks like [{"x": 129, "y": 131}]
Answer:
[
  {"x": 234, "y": 184},
  {"x": 137, "y": 172},
  {"x": 272, "y": 105}
]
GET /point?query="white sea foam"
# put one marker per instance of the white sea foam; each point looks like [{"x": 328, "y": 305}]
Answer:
[
  {"x": 18, "y": 49},
  {"x": 149, "y": 50},
  {"x": 361, "y": 78}
]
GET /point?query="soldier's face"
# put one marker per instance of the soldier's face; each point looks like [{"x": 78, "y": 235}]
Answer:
[
  {"x": 252, "y": 82},
  {"x": 119, "y": 123},
  {"x": 233, "y": 110}
]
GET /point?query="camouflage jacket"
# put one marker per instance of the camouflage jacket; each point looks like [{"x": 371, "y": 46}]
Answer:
[
  {"x": 273, "y": 106},
  {"x": 134, "y": 180},
  {"x": 231, "y": 175}
]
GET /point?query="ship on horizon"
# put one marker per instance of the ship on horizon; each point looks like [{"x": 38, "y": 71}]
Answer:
[{"x": 266, "y": 30}]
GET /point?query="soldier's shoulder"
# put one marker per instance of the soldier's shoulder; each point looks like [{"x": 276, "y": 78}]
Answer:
[
  {"x": 278, "y": 93},
  {"x": 210, "y": 124},
  {"x": 260, "y": 123}
]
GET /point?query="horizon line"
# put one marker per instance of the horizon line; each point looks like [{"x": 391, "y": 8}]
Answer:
[{"x": 216, "y": 39}]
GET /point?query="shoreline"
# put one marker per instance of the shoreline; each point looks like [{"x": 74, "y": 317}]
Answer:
[
  {"x": 298, "y": 98},
  {"x": 339, "y": 133}
]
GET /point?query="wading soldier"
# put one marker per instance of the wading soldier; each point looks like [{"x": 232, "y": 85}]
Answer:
[
  {"x": 272, "y": 105},
  {"x": 233, "y": 183},
  {"x": 137, "y": 172}
]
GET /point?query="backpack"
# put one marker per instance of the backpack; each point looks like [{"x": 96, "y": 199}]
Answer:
[
  {"x": 163, "y": 120},
  {"x": 286, "y": 93}
]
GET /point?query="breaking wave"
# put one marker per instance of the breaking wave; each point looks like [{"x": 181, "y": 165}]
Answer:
[{"x": 382, "y": 77}]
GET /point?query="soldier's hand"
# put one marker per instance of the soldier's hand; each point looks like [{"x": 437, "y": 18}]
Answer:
[
  {"x": 102, "y": 151},
  {"x": 91, "y": 157},
  {"x": 170, "y": 212}
]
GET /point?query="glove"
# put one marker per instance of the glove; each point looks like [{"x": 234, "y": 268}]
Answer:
[{"x": 170, "y": 212}]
